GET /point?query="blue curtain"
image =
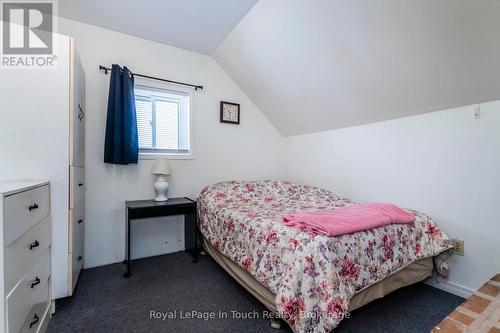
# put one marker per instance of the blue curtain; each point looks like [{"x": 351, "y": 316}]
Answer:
[{"x": 121, "y": 144}]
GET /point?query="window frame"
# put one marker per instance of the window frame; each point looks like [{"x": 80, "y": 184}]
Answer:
[{"x": 163, "y": 87}]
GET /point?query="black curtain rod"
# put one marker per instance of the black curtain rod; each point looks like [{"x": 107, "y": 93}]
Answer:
[{"x": 196, "y": 87}]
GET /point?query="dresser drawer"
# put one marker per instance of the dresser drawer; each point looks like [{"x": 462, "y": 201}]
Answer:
[
  {"x": 76, "y": 228},
  {"x": 23, "y": 210},
  {"x": 33, "y": 289},
  {"x": 76, "y": 257},
  {"x": 38, "y": 318},
  {"x": 76, "y": 186},
  {"x": 75, "y": 269},
  {"x": 25, "y": 251}
]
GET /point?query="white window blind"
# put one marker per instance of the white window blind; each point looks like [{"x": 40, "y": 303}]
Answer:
[
  {"x": 144, "y": 112},
  {"x": 162, "y": 121},
  {"x": 167, "y": 123}
]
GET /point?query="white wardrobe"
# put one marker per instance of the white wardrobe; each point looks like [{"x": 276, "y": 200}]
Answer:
[{"x": 42, "y": 136}]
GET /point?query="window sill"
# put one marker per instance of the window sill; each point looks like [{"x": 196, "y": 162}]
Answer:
[{"x": 154, "y": 156}]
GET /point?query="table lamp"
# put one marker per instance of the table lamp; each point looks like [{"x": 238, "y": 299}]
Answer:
[{"x": 161, "y": 170}]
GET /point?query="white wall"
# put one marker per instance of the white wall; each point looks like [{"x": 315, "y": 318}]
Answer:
[
  {"x": 253, "y": 150},
  {"x": 444, "y": 163}
]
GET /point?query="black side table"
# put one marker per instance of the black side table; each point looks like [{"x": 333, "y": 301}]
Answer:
[{"x": 139, "y": 209}]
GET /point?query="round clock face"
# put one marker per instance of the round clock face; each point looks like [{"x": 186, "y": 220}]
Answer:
[{"x": 230, "y": 112}]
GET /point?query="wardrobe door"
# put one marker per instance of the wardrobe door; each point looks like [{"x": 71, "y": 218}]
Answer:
[{"x": 77, "y": 112}]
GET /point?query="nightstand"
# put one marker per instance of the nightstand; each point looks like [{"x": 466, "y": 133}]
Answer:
[{"x": 140, "y": 209}]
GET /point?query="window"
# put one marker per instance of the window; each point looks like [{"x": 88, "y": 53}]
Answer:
[{"x": 163, "y": 121}]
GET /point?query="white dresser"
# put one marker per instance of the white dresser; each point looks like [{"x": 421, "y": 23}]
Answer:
[
  {"x": 42, "y": 136},
  {"x": 25, "y": 256}
]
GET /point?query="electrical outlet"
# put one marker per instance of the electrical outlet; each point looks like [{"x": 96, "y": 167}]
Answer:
[
  {"x": 477, "y": 112},
  {"x": 458, "y": 246}
]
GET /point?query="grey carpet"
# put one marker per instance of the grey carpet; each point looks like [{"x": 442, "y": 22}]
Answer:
[{"x": 104, "y": 301}]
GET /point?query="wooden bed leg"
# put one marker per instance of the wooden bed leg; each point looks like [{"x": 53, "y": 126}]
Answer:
[{"x": 276, "y": 323}]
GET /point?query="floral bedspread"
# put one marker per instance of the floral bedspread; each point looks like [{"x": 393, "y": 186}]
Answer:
[{"x": 313, "y": 276}]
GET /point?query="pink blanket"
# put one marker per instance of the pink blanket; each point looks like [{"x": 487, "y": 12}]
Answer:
[{"x": 349, "y": 219}]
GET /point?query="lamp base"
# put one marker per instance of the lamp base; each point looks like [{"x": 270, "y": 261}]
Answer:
[{"x": 161, "y": 187}]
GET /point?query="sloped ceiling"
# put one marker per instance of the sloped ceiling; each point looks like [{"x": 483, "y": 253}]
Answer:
[
  {"x": 324, "y": 64},
  {"x": 196, "y": 25}
]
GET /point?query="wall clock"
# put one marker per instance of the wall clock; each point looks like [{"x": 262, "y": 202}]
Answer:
[{"x": 229, "y": 112}]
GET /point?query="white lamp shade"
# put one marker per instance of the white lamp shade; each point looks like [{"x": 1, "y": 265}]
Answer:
[{"x": 161, "y": 167}]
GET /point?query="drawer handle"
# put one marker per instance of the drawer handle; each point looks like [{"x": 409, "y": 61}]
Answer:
[
  {"x": 80, "y": 221},
  {"x": 33, "y": 207},
  {"x": 35, "y": 320},
  {"x": 37, "y": 281},
  {"x": 80, "y": 184},
  {"x": 79, "y": 258},
  {"x": 34, "y": 244}
]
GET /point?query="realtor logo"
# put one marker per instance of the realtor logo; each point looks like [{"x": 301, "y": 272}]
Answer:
[
  {"x": 28, "y": 34},
  {"x": 27, "y": 27}
]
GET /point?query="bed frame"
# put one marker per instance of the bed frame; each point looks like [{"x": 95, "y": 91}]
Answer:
[{"x": 415, "y": 272}]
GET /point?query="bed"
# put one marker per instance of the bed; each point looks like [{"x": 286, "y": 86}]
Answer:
[{"x": 312, "y": 281}]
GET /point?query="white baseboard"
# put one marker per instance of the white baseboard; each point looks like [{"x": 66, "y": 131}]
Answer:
[{"x": 452, "y": 288}]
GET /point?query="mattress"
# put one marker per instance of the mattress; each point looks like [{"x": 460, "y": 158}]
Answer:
[{"x": 313, "y": 278}]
